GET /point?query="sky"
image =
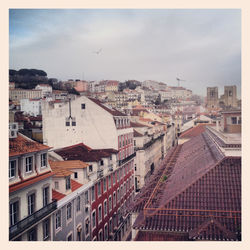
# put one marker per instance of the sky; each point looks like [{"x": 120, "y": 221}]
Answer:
[{"x": 200, "y": 46}]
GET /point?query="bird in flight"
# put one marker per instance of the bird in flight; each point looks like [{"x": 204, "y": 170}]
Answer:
[{"x": 98, "y": 52}]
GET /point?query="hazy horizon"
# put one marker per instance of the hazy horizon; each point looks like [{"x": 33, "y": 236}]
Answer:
[{"x": 203, "y": 47}]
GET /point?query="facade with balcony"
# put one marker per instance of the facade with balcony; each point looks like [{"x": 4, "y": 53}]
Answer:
[
  {"x": 30, "y": 190},
  {"x": 110, "y": 190}
]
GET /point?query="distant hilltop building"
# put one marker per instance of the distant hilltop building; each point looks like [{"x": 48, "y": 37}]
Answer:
[
  {"x": 228, "y": 99},
  {"x": 230, "y": 96}
]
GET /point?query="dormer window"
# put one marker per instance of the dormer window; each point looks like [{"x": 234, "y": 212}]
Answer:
[
  {"x": 83, "y": 105},
  {"x": 28, "y": 164},
  {"x": 44, "y": 160},
  {"x": 68, "y": 183}
]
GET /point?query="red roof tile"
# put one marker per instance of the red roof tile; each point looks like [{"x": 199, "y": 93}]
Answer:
[
  {"x": 192, "y": 132},
  {"x": 57, "y": 195},
  {"x": 84, "y": 153},
  {"x": 200, "y": 184},
  {"x": 21, "y": 145},
  {"x": 75, "y": 185},
  {"x": 30, "y": 181}
]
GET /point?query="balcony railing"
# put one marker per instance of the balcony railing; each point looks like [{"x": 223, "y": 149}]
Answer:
[
  {"x": 127, "y": 159},
  {"x": 110, "y": 168},
  {"x": 27, "y": 222},
  {"x": 100, "y": 173}
]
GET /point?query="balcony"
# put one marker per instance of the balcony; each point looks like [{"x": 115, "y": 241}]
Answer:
[
  {"x": 29, "y": 221},
  {"x": 110, "y": 167},
  {"x": 121, "y": 162},
  {"x": 100, "y": 173}
]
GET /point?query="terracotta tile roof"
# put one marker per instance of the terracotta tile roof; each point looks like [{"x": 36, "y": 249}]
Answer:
[
  {"x": 30, "y": 181},
  {"x": 112, "y": 111},
  {"x": 200, "y": 196},
  {"x": 21, "y": 145},
  {"x": 137, "y": 134},
  {"x": 68, "y": 164},
  {"x": 75, "y": 185},
  {"x": 57, "y": 195},
  {"x": 84, "y": 153},
  {"x": 192, "y": 132},
  {"x": 59, "y": 171}
]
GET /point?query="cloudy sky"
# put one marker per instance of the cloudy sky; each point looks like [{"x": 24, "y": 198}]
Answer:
[{"x": 203, "y": 47}]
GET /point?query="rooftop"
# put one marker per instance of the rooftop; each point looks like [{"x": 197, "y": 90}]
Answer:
[
  {"x": 198, "y": 192},
  {"x": 23, "y": 145},
  {"x": 84, "y": 153}
]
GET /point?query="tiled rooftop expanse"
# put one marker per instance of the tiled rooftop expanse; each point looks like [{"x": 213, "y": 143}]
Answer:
[{"x": 201, "y": 196}]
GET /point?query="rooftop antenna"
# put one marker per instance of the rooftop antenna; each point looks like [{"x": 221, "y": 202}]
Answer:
[{"x": 178, "y": 80}]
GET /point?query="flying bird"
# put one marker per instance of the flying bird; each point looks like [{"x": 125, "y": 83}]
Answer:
[{"x": 98, "y": 52}]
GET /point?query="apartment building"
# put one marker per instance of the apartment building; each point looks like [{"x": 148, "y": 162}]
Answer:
[
  {"x": 111, "y": 188},
  {"x": 70, "y": 190},
  {"x": 30, "y": 189},
  {"x": 87, "y": 120}
]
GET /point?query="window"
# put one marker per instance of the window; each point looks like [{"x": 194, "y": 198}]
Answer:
[
  {"x": 69, "y": 211},
  {"x": 86, "y": 226},
  {"x": 100, "y": 213},
  {"x": 46, "y": 229},
  {"x": 239, "y": 120},
  {"x": 67, "y": 122},
  {"x": 14, "y": 213},
  {"x": 68, "y": 182},
  {"x": 113, "y": 178},
  {"x": 118, "y": 194},
  {"x": 56, "y": 185},
  {"x": 12, "y": 169},
  {"x": 135, "y": 167},
  {"x": 99, "y": 188},
  {"x": 58, "y": 219},
  {"x": 44, "y": 160},
  {"x": 45, "y": 196},
  {"x": 105, "y": 207},
  {"x": 100, "y": 236},
  {"x": 83, "y": 105},
  {"x": 93, "y": 220},
  {"x": 86, "y": 197},
  {"x": 114, "y": 199},
  {"x": 78, "y": 203},
  {"x": 101, "y": 162},
  {"x": 110, "y": 203},
  {"x": 90, "y": 168},
  {"x": 109, "y": 181},
  {"x": 28, "y": 162},
  {"x": 110, "y": 225},
  {"x": 75, "y": 175},
  {"x": 93, "y": 193},
  {"x": 106, "y": 232},
  {"x": 104, "y": 185},
  {"x": 31, "y": 204},
  {"x": 70, "y": 238},
  {"x": 32, "y": 235},
  {"x": 73, "y": 121},
  {"x": 234, "y": 120}
]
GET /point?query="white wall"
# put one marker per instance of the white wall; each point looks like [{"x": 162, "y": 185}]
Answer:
[{"x": 95, "y": 127}]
